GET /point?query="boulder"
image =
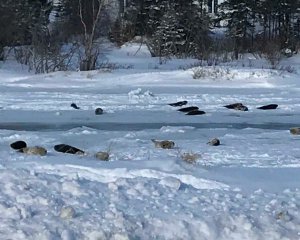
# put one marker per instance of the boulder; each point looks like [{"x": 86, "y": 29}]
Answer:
[
  {"x": 165, "y": 144},
  {"x": 64, "y": 148},
  {"x": 268, "y": 107},
  {"x": 295, "y": 130},
  {"x": 99, "y": 111},
  {"x": 214, "y": 142},
  {"x": 237, "y": 106},
  {"x": 18, "y": 145},
  {"x": 188, "y": 109},
  {"x": 36, "y": 150},
  {"x": 196, "y": 112},
  {"x": 178, "y": 104},
  {"x": 103, "y": 156}
]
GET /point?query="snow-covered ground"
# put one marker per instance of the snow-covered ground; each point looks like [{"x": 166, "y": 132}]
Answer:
[{"x": 246, "y": 188}]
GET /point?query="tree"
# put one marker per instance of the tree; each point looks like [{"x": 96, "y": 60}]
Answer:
[
  {"x": 169, "y": 35},
  {"x": 17, "y": 18},
  {"x": 196, "y": 26},
  {"x": 239, "y": 15}
]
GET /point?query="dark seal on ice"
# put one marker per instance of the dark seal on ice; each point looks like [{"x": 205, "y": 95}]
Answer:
[
  {"x": 237, "y": 106},
  {"x": 18, "y": 145},
  {"x": 268, "y": 107},
  {"x": 195, "y": 112},
  {"x": 188, "y": 109},
  {"x": 214, "y": 142},
  {"x": 99, "y": 111},
  {"x": 73, "y": 105},
  {"x": 64, "y": 148},
  {"x": 178, "y": 104}
]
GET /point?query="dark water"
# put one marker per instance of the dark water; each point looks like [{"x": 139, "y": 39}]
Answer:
[{"x": 110, "y": 126}]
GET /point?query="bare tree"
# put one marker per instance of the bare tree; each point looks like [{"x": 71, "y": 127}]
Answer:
[{"x": 91, "y": 52}]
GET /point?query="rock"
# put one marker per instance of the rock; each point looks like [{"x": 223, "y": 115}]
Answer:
[
  {"x": 237, "y": 106},
  {"x": 18, "y": 145},
  {"x": 73, "y": 105},
  {"x": 67, "y": 212},
  {"x": 36, "y": 150},
  {"x": 196, "y": 112},
  {"x": 214, "y": 142},
  {"x": 104, "y": 156},
  {"x": 64, "y": 148},
  {"x": 165, "y": 144},
  {"x": 295, "y": 130},
  {"x": 99, "y": 111},
  {"x": 268, "y": 107},
  {"x": 188, "y": 109},
  {"x": 178, "y": 104}
]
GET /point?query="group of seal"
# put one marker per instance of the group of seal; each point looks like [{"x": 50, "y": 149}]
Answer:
[
  {"x": 21, "y": 146},
  {"x": 193, "y": 110},
  {"x": 98, "y": 111},
  {"x": 242, "y": 107}
]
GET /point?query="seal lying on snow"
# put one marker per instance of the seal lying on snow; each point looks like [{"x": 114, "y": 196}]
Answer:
[
  {"x": 195, "y": 112},
  {"x": 165, "y": 144},
  {"x": 178, "y": 104},
  {"x": 36, "y": 150},
  {"x": 237, "y": 106},
  {"x": 214, "y": 142},
  {"x": 268, "y": 107},
  {"x": 188, "y": 109},
  {"x": 73, "y": 105},
  {"x": 64, "y": 148},
  {"x": 98, "y": 111},
  {"x": 295, "y": 130},
  {"x": 21, "y": 146},
  {"x": 18, "y": 145}
]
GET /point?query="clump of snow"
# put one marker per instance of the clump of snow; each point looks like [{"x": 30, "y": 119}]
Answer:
[
  {"x": 171, "y": 182},
  {"x": 67, "y": 212},
  {"x": 140, "y": 95}
]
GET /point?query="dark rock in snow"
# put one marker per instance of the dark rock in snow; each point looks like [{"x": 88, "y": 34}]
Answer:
[
  {"x": 195, "y": 112},
  {"x": 99, "y": 111},
  {"x": 188, "y": 109},
  {"x": 18, "y": 145},
  {"x": 178, "y": 104},
  {"x": 237, "y": 106},
  {"x": 268, "y": 107},
  {"x": 64, "y": 148},
  {"x": 73, "y": 105}
]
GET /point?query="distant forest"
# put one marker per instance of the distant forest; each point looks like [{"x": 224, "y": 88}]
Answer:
[{"x": 46, "y": 35}]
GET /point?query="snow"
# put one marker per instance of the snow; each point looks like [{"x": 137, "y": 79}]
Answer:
[{"x": 246, "y": 188}]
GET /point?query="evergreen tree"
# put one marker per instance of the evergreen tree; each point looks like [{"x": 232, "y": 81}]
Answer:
[
  {"x": 239, "y": 15},
  {"x": 18, "y": 18},
  {"x": 169, "y": 35}
]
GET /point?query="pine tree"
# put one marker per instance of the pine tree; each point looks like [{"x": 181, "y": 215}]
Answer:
[
  {"x": 239, "y": 15},
  {"x": 169, "y": 35},
  {"x": 196, "y": 23}
]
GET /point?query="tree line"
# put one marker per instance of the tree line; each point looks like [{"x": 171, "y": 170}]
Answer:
[{"x": 37, "y": 30}]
